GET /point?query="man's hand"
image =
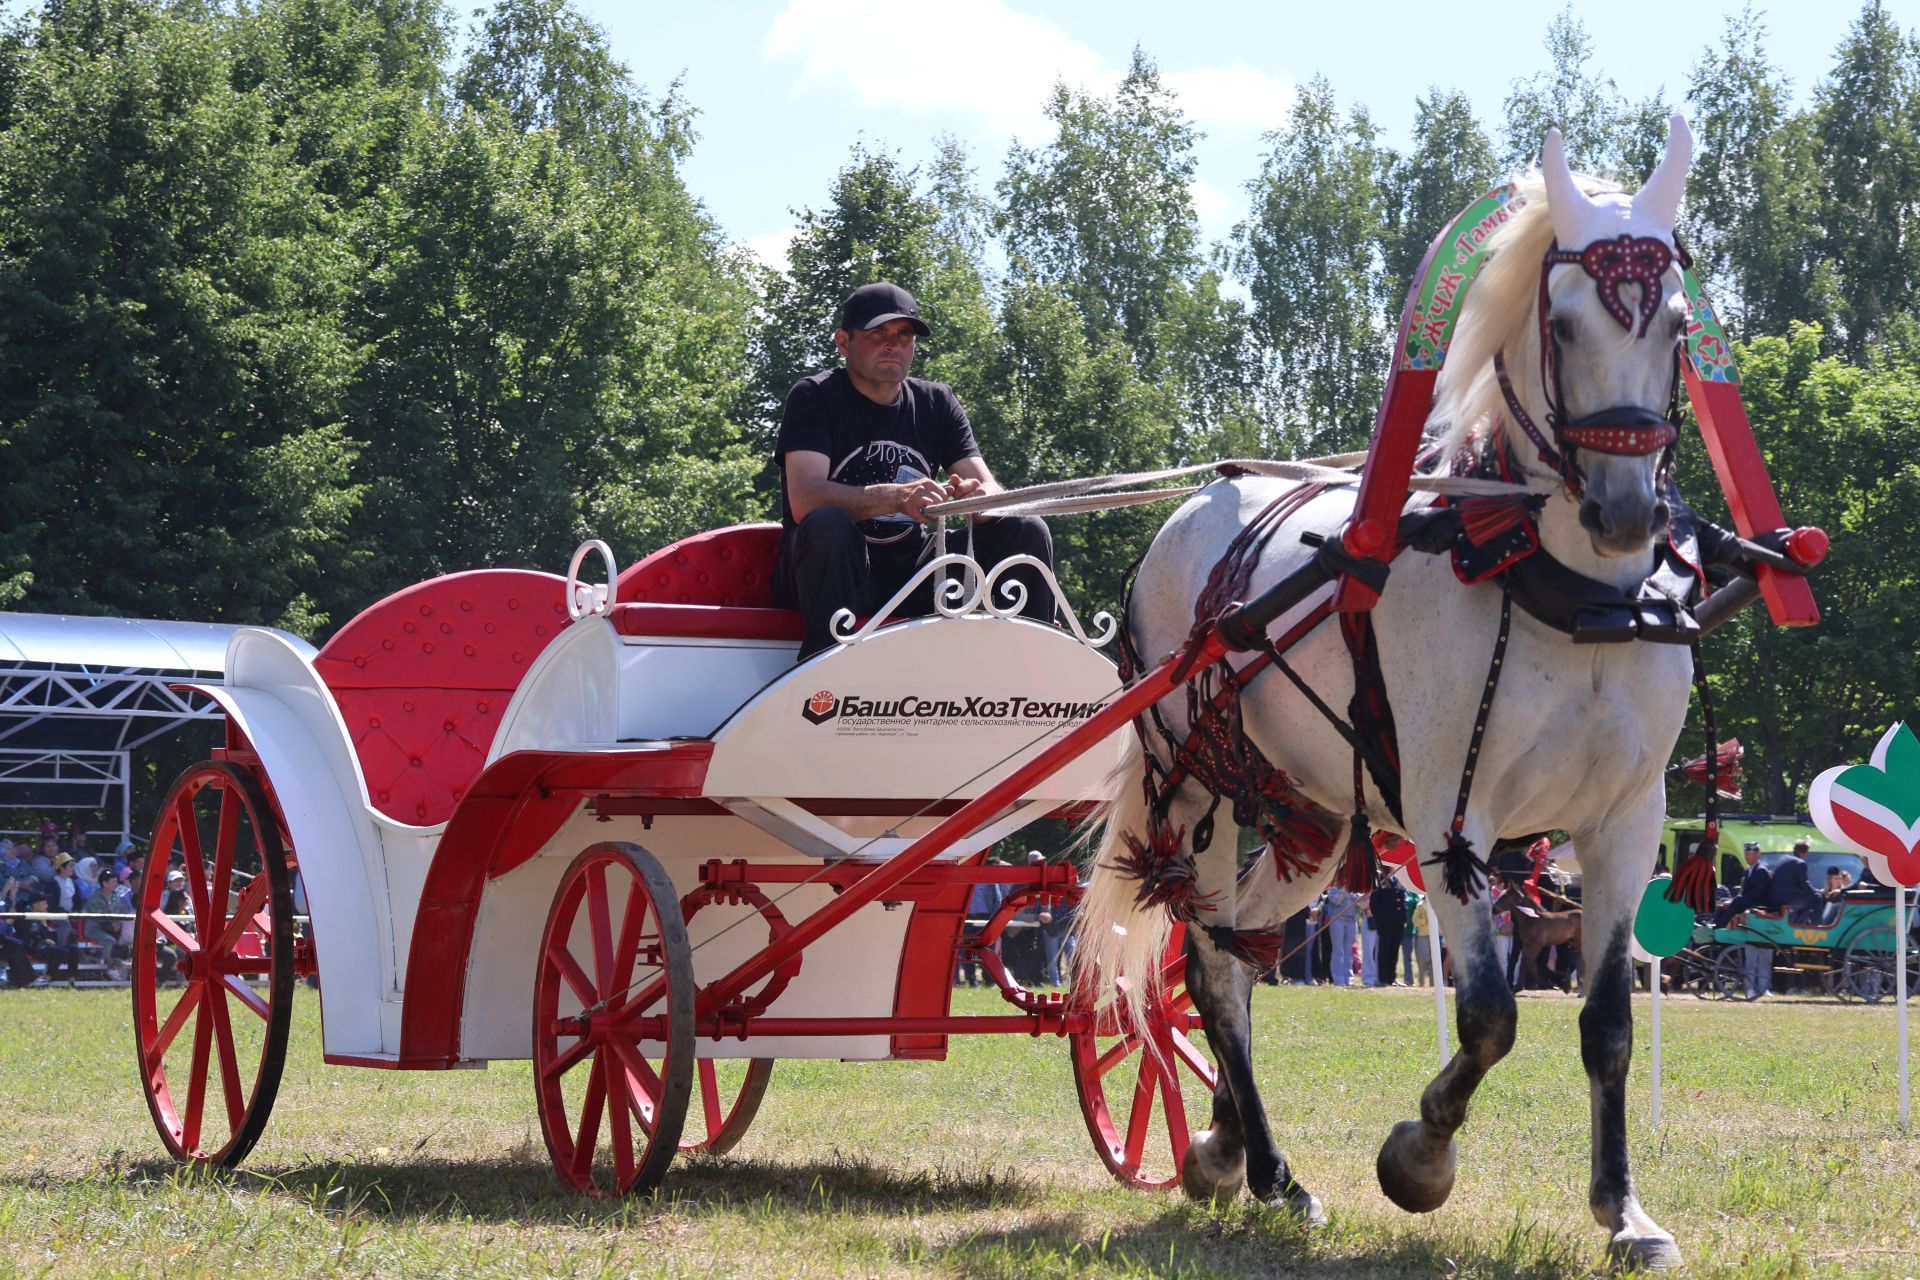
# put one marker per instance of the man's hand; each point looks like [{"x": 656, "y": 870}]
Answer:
[{"x": 914, "y": 497}]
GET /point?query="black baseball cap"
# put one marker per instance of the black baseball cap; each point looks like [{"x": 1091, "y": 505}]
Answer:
[{"x": 872, "y": 305}]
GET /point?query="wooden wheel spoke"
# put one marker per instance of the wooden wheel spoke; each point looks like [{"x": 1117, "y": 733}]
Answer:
[
  {"x": 196, "y": 861},
  {"x": 643, "y": 999},
  {"x": 247, "y": 913},
  {"x": 196, "y": 1078},
  {"x": 246, "y": 995},
  {"x": 598, "y": 916},
  {"x": 590, "y": 1108},
  {"x": 225, "y": 845},
  {"x": 632, "y": 920},
  {"x": 576, "y": 977},
  {"x": 163, "y": 1039},
  {"x": 642, "y": 1082},
  {"x": 1114, "y": 1056},
  {"x": 619, "y": 1110},
  {"x": 710, "y": 1098},
  {"x": 179, "y": 937},
  {"x": 1189, "y": 1053},
  {"x": 1141, "y": 1116},
  {"x": 567, "y": 1059},
  {"x": 229, "y": 1061},
  {"x": 1172, "y": 1099}
]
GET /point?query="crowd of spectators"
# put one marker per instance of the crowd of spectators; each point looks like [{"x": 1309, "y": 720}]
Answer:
[{"x": 61, "y": 904}]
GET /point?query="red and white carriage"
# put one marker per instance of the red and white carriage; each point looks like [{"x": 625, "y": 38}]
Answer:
[{"x": 616, "y": 830}]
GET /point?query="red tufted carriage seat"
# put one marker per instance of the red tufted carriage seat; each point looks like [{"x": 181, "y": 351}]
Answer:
[
  {"x": 716, "y": 585},
  {"x": 423, "y": 677}
]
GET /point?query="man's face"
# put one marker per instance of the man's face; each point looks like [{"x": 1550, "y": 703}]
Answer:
[
  {"x": 1753, "y": 856},
  {"x": 883, "y": 354}
]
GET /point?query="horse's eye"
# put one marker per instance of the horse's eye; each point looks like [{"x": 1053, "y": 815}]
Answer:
[{"x": 1562, "y": 330}]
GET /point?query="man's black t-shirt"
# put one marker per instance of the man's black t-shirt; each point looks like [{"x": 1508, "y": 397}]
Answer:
[{"x": 924, "y": 429}]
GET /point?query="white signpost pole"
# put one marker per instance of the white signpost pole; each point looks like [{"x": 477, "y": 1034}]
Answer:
[
  {"x": 1653, "y": 986},
  {"x": 1900, "y": 993}
]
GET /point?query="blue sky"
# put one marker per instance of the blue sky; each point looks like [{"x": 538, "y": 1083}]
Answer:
[{"x": 784, "y": 87}]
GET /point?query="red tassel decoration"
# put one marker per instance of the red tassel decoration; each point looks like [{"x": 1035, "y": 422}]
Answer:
[
  {"x": 1693, "y": 879},
  {"x": 1358, "y": 868},
  {"x": 1164, "y": 869},
  {"x": 1484, "y": 519}
]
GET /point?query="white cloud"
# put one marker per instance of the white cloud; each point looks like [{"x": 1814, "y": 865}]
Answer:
[
  {"x": 771, "y": 248},
  {"x": 1210, "y": 204},
  {"x": 1236, "y": 96},
  {"x": 978, "y": 56}
]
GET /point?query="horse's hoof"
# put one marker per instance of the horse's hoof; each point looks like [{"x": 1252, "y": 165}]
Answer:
[
  {"x": 1302, "y": 1204},
  {"x": 1206, "y": 1176},
  {"x": 1416, "y": 1169},
  {"x": 1647, "y": 1251}
]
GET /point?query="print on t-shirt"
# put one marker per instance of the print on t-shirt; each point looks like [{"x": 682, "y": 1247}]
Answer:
[{"x": 882, "y": 462}]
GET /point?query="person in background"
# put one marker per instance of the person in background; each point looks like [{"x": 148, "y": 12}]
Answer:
[
  {"x": 1387, "y": 910},
  {"x": 13, "y": 949},
  {"x": 42, "y": 941},
  {"x": 1369, "y": 942},
  {"x": 1341, "y": 914},
  {"x": 981, "y": 904},
  {"x": 1419, "y": 922}
]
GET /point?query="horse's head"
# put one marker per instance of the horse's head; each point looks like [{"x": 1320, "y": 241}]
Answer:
[{"x": 1598, "y": 365}]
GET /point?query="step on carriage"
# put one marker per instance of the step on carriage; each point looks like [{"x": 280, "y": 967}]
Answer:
[{"x": 617, "y": 831}]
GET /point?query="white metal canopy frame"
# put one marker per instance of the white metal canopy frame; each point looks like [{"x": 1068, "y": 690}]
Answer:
[{"x": 79, "y": 694}]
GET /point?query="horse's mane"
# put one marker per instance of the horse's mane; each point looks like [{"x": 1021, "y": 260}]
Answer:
[{"x": 1497, "y": 314}]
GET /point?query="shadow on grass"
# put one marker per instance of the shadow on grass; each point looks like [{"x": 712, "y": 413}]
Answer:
[
  {"x": 1188, "y": 1241},
  {"x": 522, "y": 1188}
]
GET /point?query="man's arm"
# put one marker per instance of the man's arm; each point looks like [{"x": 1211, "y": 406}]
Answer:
[{"x": 809, "y": 489}]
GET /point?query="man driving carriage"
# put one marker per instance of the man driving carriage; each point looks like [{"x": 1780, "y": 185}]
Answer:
[{"x": 858, "y": 449}]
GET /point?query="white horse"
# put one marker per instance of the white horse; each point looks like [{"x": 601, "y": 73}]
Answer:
[{"x": 1578, "y": 737}]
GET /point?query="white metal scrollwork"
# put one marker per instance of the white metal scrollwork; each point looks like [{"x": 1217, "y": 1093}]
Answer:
[
  {"x": 584, "y": 599},
  {"x": 975, "y": 592}
]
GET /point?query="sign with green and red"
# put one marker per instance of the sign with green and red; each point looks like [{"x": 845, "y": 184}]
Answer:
[{"x": 1874, "y": 808}]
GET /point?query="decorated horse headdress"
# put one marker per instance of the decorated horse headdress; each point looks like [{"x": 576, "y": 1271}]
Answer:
[{"x": 1625, "y": 245}]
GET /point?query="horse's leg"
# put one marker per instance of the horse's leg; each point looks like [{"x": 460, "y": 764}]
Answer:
[
  {"x": 1240, "y": 1147},
  {"x": 1416, "y": 1162},
  {"x": 1614, "y": 868}
]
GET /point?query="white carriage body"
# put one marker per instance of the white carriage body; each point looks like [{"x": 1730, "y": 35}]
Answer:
[{"x": 802, "y": 764}]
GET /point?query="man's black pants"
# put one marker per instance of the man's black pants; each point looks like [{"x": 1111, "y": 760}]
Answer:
[{"x": 826, "y": 564}]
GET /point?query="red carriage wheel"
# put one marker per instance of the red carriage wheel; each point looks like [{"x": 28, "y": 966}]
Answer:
[
  {"x": 718, "y": 1126},
  {"x": 213, "y": 984},
  {"x": 614, "y": 975},
  {"x": 1136, "y": 1103}
]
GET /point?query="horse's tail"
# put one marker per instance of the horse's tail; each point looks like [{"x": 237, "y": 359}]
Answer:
[{"x": 1115, "y": 937}]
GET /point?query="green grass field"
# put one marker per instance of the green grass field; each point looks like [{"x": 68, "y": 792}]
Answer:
[{"x": 1780, "y": 1156}]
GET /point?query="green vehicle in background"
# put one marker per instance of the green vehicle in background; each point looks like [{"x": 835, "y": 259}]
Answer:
[{"x": 1846, "y": 950}]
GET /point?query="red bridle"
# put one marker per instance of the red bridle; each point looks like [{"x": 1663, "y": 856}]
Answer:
[{"x": 1624, "y": 430}]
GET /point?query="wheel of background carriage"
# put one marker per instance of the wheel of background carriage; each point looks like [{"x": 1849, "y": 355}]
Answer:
[
  {"x": 1867, "y": 972},
  {"x": 1136, "y": 1103},
  {"x": 1730, "y": 972},
  {"x": 718, "y": 1126},
  {"x": 614, "y": 976},
  {"x": 213, "y": 992},
  {"x": 730, "y": 1089}
]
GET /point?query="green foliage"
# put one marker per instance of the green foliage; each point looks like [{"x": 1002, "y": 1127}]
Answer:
[
  {"x": 1838, "y": 440},
  {"x": 305, "y": 306},
  {"x": 1103, "y": 211},
  {"x": 1309, "y": 253}
]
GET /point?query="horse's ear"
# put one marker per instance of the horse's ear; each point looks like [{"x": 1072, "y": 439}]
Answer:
[
  {"x": 1659, "y": 200},
  {"x": 1566, "y": 202}
]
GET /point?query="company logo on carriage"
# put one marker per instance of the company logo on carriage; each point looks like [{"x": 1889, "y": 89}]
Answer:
[{"x": 894, "y": 713}]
